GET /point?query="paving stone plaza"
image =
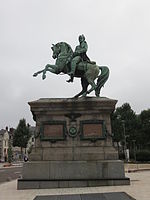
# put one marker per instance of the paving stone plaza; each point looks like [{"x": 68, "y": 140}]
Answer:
[{"x": 139, "y": 189}]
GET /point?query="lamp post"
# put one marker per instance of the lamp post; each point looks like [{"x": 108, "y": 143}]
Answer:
[
  {"x": 125, "y": 141},
  {"x": 134, "y": 149},
  {"x": 124, "y": 138}
]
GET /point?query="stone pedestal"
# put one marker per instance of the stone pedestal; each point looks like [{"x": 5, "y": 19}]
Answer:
[{"x": 73, "y": 146}]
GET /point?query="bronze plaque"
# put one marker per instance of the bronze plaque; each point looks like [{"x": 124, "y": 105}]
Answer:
[
  {"x": 92, "y": 130},
  {"x": 52, "y": 130}
]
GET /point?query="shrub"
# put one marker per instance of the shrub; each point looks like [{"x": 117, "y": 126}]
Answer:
[
  {"x": 143, "y": 155},
  {"x": 121, "y": 156}
]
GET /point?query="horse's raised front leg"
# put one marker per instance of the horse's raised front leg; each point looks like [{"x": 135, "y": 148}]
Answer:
[
  {"x": 39, "y": 72},
  {"x": 48, "y": 67},
  {"x": 43, "y": 71}
]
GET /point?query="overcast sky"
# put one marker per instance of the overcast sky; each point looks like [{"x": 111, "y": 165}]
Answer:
[{"x": 118, "y": 36}]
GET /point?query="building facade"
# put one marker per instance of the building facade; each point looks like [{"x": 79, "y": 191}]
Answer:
[
  {"x": 4, "y": 144},
  {"x": 6, "y": 139}
]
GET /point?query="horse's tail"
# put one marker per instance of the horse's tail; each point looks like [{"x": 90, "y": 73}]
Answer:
[{"x": 102, "y": 78}]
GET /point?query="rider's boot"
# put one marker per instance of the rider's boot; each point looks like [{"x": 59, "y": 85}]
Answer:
[{"x": 72, "y": 72}]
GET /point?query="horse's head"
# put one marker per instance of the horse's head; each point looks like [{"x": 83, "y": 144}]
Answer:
[
  {"x": 61, "y": 47},
  {"x": 56, "y": 50}
]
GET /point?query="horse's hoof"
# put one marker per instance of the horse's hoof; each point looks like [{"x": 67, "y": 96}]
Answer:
[
  {"x": 70, "y": 80},
  {"x": 75, "y": 97},
  {"x": 35, "y": 74},
  {"x": 44, "y": 76},
  {"x": 84, "y": 95}
]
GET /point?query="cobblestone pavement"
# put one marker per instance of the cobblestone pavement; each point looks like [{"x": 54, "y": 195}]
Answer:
[
  {"x": 139, "y": 189},
  {"x": 11, "y": 173}
]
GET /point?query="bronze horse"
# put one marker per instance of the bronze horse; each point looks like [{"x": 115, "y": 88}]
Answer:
[{"x": 87, "y": 71}]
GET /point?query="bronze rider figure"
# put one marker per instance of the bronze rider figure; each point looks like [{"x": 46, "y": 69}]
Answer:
[{"x": 78, "y": 56}]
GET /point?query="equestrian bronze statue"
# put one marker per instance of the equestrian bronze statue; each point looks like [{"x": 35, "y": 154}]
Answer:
[{"x": 77, "y": 64}]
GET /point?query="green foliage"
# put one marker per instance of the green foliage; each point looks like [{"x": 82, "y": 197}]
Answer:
[
  {"x": 136, "y": 128},
  {"x": 124, "y": 120},
  {"x": 144, "y": 129},
  {"x": 21, "y": 134},
  {"x": 121, "y": 156},
  {"x": 117, "y": 128},
  {"x": 143, "y": 155}
]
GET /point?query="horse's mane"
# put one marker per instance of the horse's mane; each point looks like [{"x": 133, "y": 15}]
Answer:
[{"x": 66, "y": 45}]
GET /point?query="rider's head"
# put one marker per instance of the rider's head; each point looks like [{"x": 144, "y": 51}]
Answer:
[{"x": 81, "y": 38}]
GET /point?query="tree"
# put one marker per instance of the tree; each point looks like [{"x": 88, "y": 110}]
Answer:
[
  {"x": 124, "y": 125},
  {"x": 21, "y": 135},
  {"x": 144, "y": 129},
  {"x": 131, "y": 130}
]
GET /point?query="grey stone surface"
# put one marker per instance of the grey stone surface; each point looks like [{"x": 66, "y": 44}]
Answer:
[
  {"x": 28, "y": 185},
  {"x": 63, "y": 184},
  {"x": 97, "y": 196},
  {"x": 48, "y": 184},
  {"x": 72, "y": 162},
  {"x": 139, "y": 189},
  {"x": 62, "y": 170},
  {"x": 59, "y": 197},
  {"x": 85, "y": 152},
  {"x": 36, "y": 170},
  {"x": 89, "y": 109},
  {"x": 61, "y": 153}
]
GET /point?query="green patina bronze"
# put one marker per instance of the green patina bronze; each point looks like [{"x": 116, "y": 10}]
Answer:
[{"x": 77, "y": 64}]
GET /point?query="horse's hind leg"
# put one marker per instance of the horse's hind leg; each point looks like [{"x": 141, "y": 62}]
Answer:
[
  {"x": 93, "y": 87},
  {"x": 84, "y": 84}
]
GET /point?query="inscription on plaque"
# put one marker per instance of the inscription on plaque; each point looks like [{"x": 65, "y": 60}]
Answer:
[
  {"x": 53, "y": 130},
  {"x": 92, "y": 130}
]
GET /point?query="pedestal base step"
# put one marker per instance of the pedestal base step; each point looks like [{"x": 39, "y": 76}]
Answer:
[
  {"x": 47, "y": 184},
  {"x": 93, "y": 196}
]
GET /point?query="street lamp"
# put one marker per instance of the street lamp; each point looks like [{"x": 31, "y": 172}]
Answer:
[
  {"x": 125, "y": 141},
  {"x": 134, "y": 148},
  {"x": 126, "y": 151},
  {"x": 124, "y": 138}
]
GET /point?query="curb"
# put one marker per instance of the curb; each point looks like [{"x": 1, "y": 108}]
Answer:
[
  {"x": 7, "y": 166},
  {"x": 136, "y": 170}
]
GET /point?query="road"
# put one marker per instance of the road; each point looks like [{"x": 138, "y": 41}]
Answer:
[{"x": 8, "y": 174}]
